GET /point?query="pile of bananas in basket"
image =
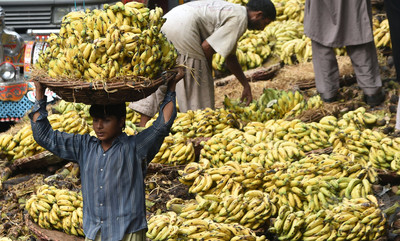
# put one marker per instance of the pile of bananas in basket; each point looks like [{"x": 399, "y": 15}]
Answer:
[{"x": 100, "y": 44}]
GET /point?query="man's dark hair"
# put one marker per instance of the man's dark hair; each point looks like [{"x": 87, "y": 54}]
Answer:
[
  {"x": 102, "y": 111},
  {"x": 266, "y": 6}
]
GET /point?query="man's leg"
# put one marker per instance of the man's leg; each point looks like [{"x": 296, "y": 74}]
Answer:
[
  {"x": 138, "y": 236},
  {"x": 366, "y": 67},
  {"x": 326, "y": 71}
]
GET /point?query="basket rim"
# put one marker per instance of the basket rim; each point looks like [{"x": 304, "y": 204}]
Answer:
[{"x": 109, "y": 85}]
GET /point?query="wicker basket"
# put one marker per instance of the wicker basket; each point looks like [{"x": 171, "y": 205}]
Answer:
[{"x": 117, "y": 90}]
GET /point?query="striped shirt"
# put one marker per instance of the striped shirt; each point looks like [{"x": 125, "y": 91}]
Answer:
[{"x": 113, "y": 187}]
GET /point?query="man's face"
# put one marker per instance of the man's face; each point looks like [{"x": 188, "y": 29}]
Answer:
[
  {"x": 107, "y": 128},
  {"x": 257, "y": 22}
]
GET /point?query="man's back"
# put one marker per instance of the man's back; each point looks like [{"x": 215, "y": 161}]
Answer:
[{"x": 188, "y": 25}]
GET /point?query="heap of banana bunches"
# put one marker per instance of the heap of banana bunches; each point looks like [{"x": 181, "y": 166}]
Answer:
[
  {"x": 285, "y": 39},
  {"x": 54, "y": 208},
  {"x": 177, "y": 148},
  {"x": 270, "y": 158},
  {"x": 100, "y": 44}
]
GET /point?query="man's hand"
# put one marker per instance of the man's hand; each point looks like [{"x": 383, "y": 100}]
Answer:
[
  {"x": 235, "y": 68},
  {"x": 180, "y": 73},
  {"x": 246, "y": 95},
  {"x": 39, "y": 90}
]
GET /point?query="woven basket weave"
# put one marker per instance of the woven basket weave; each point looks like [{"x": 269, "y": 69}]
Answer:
[{"x": 116, "y": 90}]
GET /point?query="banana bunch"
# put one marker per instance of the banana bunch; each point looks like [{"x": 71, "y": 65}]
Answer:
[
  {"x": 164, "y": 226},
  {"x": 130, "y": 128},
  {"x": 309, "y": 186},
  {"x": 252, "y": 112},
  {"x": 184, "y": 122},
  {"x": 24, "y": 144},
  {"x": 359, "y": 219},
  {"x": 289, "y": 223},
  {"x": 310, "y": 136},
  {"x": 358, "y": 118},
  {"x": 21, "y": 144},
  {"x": 252, "y": 146},
  {"x": 203, "y": 123},
  {"x": 272, "y": 130},
  {"x": 220, "y": 149},
  {"x": 354, "y": 187},
  {"x": 132, "y": 116},
  {"x": 288, "y": 104},
  {"x": 299, "y": 48},
  {"x": 384, "y": 155},
  {"x": 294, "y": 10},
  {"x": 175, "y": 150},
  {"x": 206, "y": 229},
  {"x": 192, "y": 170},
  {"x": 70, "y": 122},
  {"x": 6, "y": 142},
  {"x": 256, "y": 42},
  {"x": 281, "y": 151},
  {"x": 314, "y": 102},
  {"x": 335, "y": 164},
  {"x": 251, "y": 209},
  {"x": 119, "y": 40},
  {"x": 382, "y": 35},
  {"x": 299, "y": 192},
  {"x": 289, "y": 9},
  {"x": 252, "y": 50},
  {"x": 279, "y": 32},
  {"x": 64, "y": 106},
  {"x": 232, "y": 177},
  {"x": 355, "y": 142},
  {"x": 54, "y": 208},
  {"x": 272, "y": 104},
  {"x": 395, "y": 163}
]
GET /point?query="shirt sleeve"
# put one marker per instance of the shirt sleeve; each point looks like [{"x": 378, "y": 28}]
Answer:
[
  {"x": 224, "y": 39},
  {"x": 62, "y": 144},
  {"x": 152, "y": 138}
]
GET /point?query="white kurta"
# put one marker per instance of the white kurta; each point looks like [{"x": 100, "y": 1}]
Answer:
[{"x": 187, "y": 26}]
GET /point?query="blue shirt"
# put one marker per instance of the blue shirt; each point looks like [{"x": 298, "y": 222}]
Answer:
[{"x": 113, "y": 187}]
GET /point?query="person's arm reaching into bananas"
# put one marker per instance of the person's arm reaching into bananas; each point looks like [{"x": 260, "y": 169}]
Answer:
[{"x": 234, "y": 67}]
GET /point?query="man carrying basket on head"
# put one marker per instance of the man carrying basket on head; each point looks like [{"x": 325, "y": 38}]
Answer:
[
  {"x": 112, "y": 166},
  {"x": 199, "y": 29}
]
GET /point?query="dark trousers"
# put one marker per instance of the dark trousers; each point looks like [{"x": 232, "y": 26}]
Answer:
[{"x": 392, "y": 8}]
